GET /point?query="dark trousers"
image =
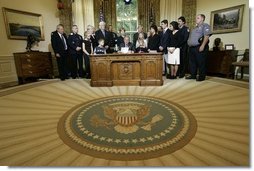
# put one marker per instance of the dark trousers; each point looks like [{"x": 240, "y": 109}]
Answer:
[
  {"x": 183, "y": 61},
  {"x": 77, "y": 65},
  {"x": 198, "y": 61},
  {"x": 62, "y": 65},
  {"x": 87, "y": 64}
]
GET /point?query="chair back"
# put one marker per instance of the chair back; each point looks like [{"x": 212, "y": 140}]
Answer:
[{"x": 246, "y": 55}]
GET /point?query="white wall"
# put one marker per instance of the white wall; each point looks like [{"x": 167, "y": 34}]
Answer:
[
  {"x": 239, "y": 39},
  {"x": 49, "y": 11}
]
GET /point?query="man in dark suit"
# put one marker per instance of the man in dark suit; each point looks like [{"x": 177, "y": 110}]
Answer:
[
  {"x": 164, "y": 43},
  {"x": 102, "y": 33},
  {"x": 184, "y": 32},
  {"x": 127, "y": 43},
  {"x": 59, "y": 45},
  {"x": 75, "y": 42},
  {"x": 135, "y": 36},
  {"x": 113, "y": 38}
]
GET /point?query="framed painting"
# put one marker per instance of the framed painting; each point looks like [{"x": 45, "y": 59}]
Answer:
[
  {"x": 20, "y": 24},
  {"x": 227, "y": 20}
]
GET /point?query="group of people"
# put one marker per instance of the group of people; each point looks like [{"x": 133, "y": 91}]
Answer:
[{"x": 172, "y": 39}]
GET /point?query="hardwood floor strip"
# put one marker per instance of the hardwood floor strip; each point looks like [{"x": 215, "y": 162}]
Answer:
[
  {"x": 171, "y": 160},
  {"x": 229, "y": 155}
]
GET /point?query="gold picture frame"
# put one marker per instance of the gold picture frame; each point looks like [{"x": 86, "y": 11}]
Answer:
[
  {"x": 19, "y": 24},
  {"x": 227, "y": 20}
]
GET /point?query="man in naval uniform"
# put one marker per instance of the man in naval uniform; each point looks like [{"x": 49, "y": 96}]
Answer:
[
  {"x": 198, "y": 43},
  {"x": 76, "y": 52}
]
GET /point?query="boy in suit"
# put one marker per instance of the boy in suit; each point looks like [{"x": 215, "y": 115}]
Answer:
[
  {"x": 164, "y": 43},
  {"x": 184, "y": 31}
]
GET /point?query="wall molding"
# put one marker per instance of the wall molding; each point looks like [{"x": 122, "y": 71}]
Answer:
[{"x": 8, "y": 74}]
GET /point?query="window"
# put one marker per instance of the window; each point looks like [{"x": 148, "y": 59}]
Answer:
[{"x": 127, "y": 16}]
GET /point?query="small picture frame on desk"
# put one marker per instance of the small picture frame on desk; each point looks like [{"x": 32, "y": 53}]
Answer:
[{"x": 229, "y": 47}]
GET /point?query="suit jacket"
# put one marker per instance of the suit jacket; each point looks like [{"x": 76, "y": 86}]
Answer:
[
  {"x": 120, "y": 40},
  {"x": 99, "y": 35},
  {"x": 94, "y": 41},
  {"x": 130, "y": 45},
  {"x": 154, "y": 42},
  {"x": 184, "y": 31},
  {"x": 165, "y": 39},
  {"x": 113, "y": 39},
  {"x": 135, "y": 37},
  {"x": 57, "y": 43}
]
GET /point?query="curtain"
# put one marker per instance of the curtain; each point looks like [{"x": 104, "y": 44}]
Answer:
[
  {"x": 170, "y": 10},
  {"x": 83, "y": 14},
  {"x": 88, "y": 12}
]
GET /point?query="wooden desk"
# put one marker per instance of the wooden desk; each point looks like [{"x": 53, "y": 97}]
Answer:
[
  {"x": 126, "y": 69},
  {"x": 220, "y": 62}
]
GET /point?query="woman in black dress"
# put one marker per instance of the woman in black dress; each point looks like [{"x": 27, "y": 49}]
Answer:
[
  {"x": 153, "y": 39},
  {"x": 174, "y": 49},
  {"x": 88, "y": 50}
]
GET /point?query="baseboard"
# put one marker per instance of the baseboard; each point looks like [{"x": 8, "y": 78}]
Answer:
[
  {"x": 8, "y": 75},
  {"x": 9, "y": 84}
]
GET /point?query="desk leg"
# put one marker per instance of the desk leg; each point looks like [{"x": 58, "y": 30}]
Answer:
[{"x": 242, "y": 69}]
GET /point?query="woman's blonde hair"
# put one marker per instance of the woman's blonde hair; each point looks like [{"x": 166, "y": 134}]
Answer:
[{"x": 85, "y": 34}]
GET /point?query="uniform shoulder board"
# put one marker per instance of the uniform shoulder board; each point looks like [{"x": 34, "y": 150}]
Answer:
[
  {"x": 52, "y": 33},
  {"x": 71, "y": 33},
  {"x": 188, "y": 30}
]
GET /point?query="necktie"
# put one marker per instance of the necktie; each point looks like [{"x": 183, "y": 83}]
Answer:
[
  {"x": 103, "y": 32},
  {"x": 64, "y": 42}
]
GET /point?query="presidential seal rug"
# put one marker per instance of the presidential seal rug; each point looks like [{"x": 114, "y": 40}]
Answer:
[{"x": 127, "y": 127}]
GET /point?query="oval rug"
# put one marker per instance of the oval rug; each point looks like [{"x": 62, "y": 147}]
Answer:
[{"x": 127, "y": 127}]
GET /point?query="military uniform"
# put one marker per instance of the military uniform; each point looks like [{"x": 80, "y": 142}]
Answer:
[
  {"x": 198, "y": 59},
  {"x": 74, "y": 41}
]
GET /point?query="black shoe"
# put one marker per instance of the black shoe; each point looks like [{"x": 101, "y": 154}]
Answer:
[
  {"x": 175, "y": 77},
  {"x": 181, "y": 76},
  {"x": 171, "y": 77},
  {"x": 200, "y": 79},
  {"x": 190, "y": 78},
  {"x": 62, "y": 79},
  {"x": 88, "y": 76}
]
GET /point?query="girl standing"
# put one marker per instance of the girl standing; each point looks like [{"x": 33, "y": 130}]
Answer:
[
  {"x": 88, "y": 50},
  {"x": 174, "y": 50}
]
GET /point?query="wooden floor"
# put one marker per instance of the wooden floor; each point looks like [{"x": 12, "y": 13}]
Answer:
[{"x": 29, "y": 117}]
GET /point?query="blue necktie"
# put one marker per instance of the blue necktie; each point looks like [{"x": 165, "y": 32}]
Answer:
[{"x": 64, "y": 43}]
